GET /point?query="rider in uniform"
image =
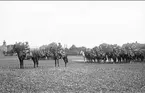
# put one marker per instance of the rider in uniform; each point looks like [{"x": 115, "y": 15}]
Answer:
[{"x": 60, "y": 49}]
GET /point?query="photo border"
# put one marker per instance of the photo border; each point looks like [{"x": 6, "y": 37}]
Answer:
[{"x": 72, "y": 0}]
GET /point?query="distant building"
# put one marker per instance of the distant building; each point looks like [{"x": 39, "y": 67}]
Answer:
[{"x": 3, "y": 48}]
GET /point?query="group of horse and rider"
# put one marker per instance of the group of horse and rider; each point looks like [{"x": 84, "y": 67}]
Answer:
[
  {"x": 118, "y": 55},
  {"x": 36, "y": 54}
]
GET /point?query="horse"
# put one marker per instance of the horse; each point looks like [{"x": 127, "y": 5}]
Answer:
[
  {"x": 83, "y": 54},
  {"x": 64, "y": 57},
  {"x": 35, "y": 56},
  {"x": 59, "y": 55},
  {"x": 21, "y": 57},
  {"x": 22, "y": 54}
]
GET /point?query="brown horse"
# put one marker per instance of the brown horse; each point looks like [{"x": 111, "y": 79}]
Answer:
[
  {"x": 57, "y": 56},
  {"x": 35, "y": 56},
  {"x": 21, "y": 57},
  {"x": 22, "y": 53}
]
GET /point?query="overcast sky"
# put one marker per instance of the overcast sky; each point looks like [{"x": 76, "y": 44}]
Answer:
[{"x": 83, "y": 23}]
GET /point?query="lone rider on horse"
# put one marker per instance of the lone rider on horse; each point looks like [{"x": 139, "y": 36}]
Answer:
[{"x": 61, "y": 51}]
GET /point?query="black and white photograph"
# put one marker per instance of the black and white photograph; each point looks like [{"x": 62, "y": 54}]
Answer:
[{"x": 72, "y": 46}]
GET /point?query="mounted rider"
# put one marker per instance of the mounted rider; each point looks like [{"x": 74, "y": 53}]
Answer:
[
  {"x": 61, "y": 50},
  {"x": 62, "y": 54}
]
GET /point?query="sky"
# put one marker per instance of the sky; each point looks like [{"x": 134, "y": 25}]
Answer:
[{"x": 83, "y": 23}]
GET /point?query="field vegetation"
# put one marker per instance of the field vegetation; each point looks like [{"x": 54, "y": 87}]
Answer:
[{"x": 77, "y": 77}]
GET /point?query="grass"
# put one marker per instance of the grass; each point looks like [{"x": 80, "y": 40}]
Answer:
[{"x": 77, "y": 77}]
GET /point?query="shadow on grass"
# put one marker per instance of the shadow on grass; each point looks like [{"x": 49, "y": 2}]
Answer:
[
  {"x": 93, "y": 62},
  {"x": 82, "y": 62},
  {"x": 16, "y": 67},
  {"x": 32, "y": 67}
]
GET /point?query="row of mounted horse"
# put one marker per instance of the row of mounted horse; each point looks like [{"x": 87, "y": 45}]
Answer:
[
  {"x": 35, "y": 55},
  {"x": 113, "y": 56}
]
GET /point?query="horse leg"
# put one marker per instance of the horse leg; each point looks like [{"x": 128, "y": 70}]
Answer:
[
  {"x": 94, "y": 60},
  {"x": 21, "y": 64},
  {"x": 84, "y": 59},
  {"x": 65, "y": 64},
  {"x": 65, "y": 61},
  {"x": 34, "y": 61},
  {"x": 34, "y": 64},
  {"x": 104, "y": 60},
  {"x": 55, "y": 62},
  {"x": 58, "y": 62},
  {"x": 37, "y": 63}
]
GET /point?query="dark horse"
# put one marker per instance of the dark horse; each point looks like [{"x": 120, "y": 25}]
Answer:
[
  {"x": 21, "y": 56},
  {"x": 35, "y": 56},
  {"x": 22, "y": 53},
  {"x": 57, "y": 56}
]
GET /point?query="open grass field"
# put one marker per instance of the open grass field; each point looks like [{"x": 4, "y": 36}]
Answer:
[{"x": 77, "y": 77}]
